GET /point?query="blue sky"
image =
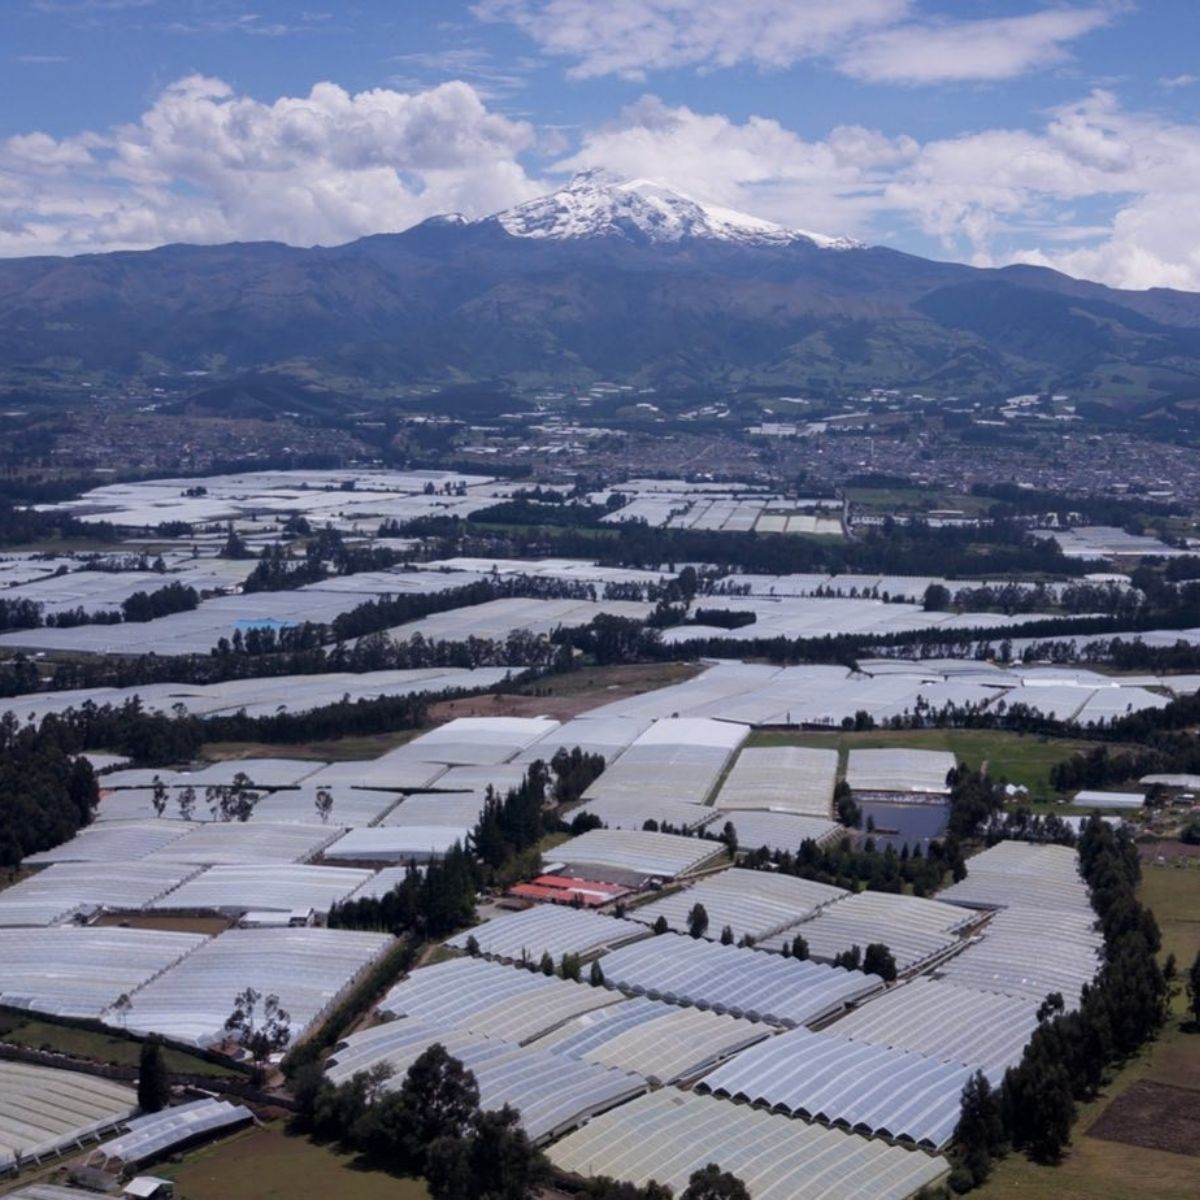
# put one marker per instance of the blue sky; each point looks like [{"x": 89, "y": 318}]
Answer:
[{"x": 982, "y": 130}]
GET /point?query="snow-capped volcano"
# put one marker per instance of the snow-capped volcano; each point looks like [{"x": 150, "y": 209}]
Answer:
[{"x": 595, "y": 204}]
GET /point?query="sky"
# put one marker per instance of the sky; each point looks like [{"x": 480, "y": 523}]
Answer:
[{"x": 985, "y": 131}]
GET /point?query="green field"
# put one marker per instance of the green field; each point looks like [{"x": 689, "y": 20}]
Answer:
[
  {"x": 269, "y": 1164},
  {"x": 1017, "y": 757},
  {"x": 99, "y": 1047},
  {"x": 1107, "y": 1170}
]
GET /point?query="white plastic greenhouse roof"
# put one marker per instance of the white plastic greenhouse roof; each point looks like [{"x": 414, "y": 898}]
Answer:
[
  {"x": 396, "y": 843},
  {"x": 480, "y": 740},
  {"x": 72, "y": 972},
  {"x": 668, "y": 1134},
  {"x": 44, "y": 1111},
  {"x": 631, "y": 810},
  {"x": 115, "y": 841},
  {"x": 758, "y": 903},
  {"x": 826, "y": 1078},
  {"x": 459, "y": 810},
  {"x": 307, "y": 969},
  {"x": 982, "y": 1030},
  {"x": 918, "y": 932},
  {"x": 896, "y": 769},
  {"x": 608, "y": 736},
  {"x": 493, "y": 1000},
  {"x": 230, "y": 843},
  {"x": 151, "y": 1135},
  {"x": 777, "y": 830},
  {"x": 664, "y": 1043},
  {"x": 1020, "y": 874},
  {"x": 52, "y": 895},
  {"x": 634, "y": 853},
  {"x": 262, "y": 772},
  {"x": 548, "y": 929},
  {"x": 278, "y": 887},
  {"x": 741, "y": 982},
  {"x": 795, "y": 779},
  {"x": 552, "y": 1094}
]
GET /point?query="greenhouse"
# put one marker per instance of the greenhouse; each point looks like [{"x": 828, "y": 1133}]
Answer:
[
  {"x": 45, "y": 1111},
  {"x": 626, "y": 855},
  {"x": 939, "y": 1019},
  {"x": 548, "y": 929},
  {"x": 743, "y": 983},
  {"x": 551, "y": 1094},
  {"x": 668, "y": 1134},
  {"x": 308, "y": 969},
  {"x": 664, "y": 1043},
  {"x": 71, "y": 972},
  {"x": 756, "y": 904},
  {"x": 495, "y": 1001},
  {"x": 794, "y": 779},
  {"x": 822, "y": 1077}
]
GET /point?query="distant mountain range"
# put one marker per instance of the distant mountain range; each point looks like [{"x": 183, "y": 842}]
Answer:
[{"x": 604, "y": 279}]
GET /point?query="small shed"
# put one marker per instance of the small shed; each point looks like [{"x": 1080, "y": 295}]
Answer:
[{"x": 148, "y": 1187}]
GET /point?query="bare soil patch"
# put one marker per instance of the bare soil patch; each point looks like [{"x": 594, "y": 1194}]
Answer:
[{"x": 1155, "y": 1115}]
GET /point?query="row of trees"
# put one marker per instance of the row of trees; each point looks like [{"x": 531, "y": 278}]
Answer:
[
  {"x": 1066, "y": 1058},
  {"x": 47, "y": 794},
  {"x": 839, "y": 864}
]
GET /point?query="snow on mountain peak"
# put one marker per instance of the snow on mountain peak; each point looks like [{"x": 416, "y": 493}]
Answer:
[{"x": 596, "y": 203}]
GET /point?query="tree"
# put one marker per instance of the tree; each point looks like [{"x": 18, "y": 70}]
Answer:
[
  {"x": 979, "y": 1133},
  {"x": 878, "y": 960},
  {"x": 546, "y": 966},
  {"x": 850, "y": 959},
  {"x": 1193, "y": 989},
  {"x": 727, "y": 935},
  {"x": 494, "y": 1161},
  {"x": 730, "y": 838},
  {"x": 324, "y": 804},
  {"x": 799, "y": 948},
  {"x": 441, "y": 1098},
  {"x": 159, "y": 796},
  {"x": 473, "y": 950},
  {"x": 711, "y": 1183},
  {"x": 259, "y": 1034},
  {"x": 698, "y": 920},
  {"x": 187, "y": 803},
  {"x": 660, "y": 925},
  {"x": 121, "y": 1006},
  {"x": 937, "y": 598},
  {"x": 154, "y": 1083},
  {"x": 596, "y": 974}
]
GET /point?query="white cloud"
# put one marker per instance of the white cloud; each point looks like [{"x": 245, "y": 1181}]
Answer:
[
  {"x": 1095, "y": 189},
  {"x": 877, "y": 40},
  {"x": 630, "y": 37},
  {"x": 1171, "y": 82},
  {"x": 922, "y": 52},
  {"x": 991, "y": 196},
  {"x": 204, "y": 164}
]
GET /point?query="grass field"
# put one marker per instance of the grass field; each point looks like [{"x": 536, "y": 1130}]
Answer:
[
  {"x": 1105, "y": 1170},
  {"x": 1019, "y": 758},
  {"x": 268, "y": 1164},
  {"x": 99, "y": 1047}
]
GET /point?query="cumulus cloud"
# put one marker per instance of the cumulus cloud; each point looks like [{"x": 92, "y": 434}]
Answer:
[
  {"x": 205, "y": 164},
  {"x": 877, "y": 40},
  {"x": 991, "y": 196},
  {"x": 1094, "y": 189}
]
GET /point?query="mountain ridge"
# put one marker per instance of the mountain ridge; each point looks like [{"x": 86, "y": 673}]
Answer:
[{"x": 601, "y": 280}]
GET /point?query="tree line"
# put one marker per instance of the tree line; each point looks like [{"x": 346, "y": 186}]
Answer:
[
  {"x": 47, "y": 793},
  {"x": 1065, "y": 1062}
]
